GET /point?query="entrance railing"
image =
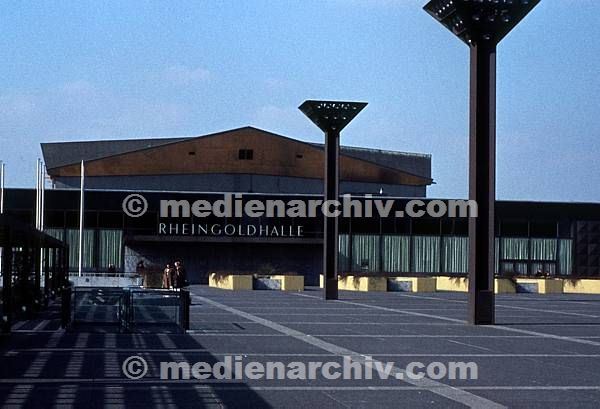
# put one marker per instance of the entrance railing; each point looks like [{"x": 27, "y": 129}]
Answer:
[{"x": 130, "y": 309}]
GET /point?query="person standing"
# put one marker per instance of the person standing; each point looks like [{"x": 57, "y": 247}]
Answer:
[
  {"x": 168, "y": 275},
  {"x": 140, "y": 270},
  {"x": 180, "y": 275}
]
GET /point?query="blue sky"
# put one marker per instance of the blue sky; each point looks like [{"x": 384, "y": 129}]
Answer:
[{"x": 112, "y": 69}]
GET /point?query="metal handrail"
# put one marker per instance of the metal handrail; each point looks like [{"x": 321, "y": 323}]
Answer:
[{"x": 126, "y": 305}]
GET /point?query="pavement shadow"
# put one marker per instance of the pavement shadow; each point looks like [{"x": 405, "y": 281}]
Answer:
[{"x": 85, "y": 369}]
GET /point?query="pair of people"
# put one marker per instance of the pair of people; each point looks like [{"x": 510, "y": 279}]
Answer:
[{"x": 174, "y": 276}]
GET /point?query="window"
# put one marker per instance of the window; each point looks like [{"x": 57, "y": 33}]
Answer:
[
  {"x": 365, "y": 253},
  {"x": 88, "y": 248},
  {"x": 396, "y": 254},
  {"x": 246, "y": 154},
  {"x": 455, "y": 254},
  {"x": 110, "y": 247},
  {"x": 425, "y": 254}
]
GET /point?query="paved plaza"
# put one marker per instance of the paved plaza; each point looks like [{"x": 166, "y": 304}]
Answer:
[{"x": 543, "y": 353}]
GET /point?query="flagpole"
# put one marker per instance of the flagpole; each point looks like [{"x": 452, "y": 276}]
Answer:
[
  {"x": 42, "y": 206},
  {"x": 2, "y": 169},
  {"x": 42, "y": 194},
  {"x": 81, "y": 212},
  {"x": 37, "y": 194}
]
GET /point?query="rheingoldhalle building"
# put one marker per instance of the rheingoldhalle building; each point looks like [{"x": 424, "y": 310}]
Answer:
[{"x": 554, "y": 238}]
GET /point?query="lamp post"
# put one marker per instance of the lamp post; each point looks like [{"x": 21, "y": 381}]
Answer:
[
  {"x": 331, "y": 117},
  {"x": 481, "y": 24}
]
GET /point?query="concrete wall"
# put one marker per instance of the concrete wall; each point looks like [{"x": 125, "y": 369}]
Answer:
[{"x": 99, "y": 281}]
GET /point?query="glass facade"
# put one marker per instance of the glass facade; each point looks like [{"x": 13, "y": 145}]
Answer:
[
  {"x": 450, "y": 254},
  {"x": 425, "y": 254},
  {"x": 534, "y": 238},
  {"x": 365, "y": 252},
  {"x": 565, "y": 256},
  {"x": 110, "y": 248},
  {"x": 455, "y": 253},
  {"x": 371, "y": 253},
  {"x": 88, "y": 248},
  {"x": 396, "y": 253},
  {"x": 102, "y": 247}
]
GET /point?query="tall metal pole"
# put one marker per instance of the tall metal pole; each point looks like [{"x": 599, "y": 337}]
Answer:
[
  {"x": 54, "y": 272},
  {"x": 482, "y": 183},
  {"x": 64, "y": 270},
  {"x": 330, "y": 231},
  {"x": 481, "y": 25},
  {"x": 24, "y": 283},
  {"x": 46, "y": 270},
  {"x": 37, "y": 194},
  {"x": 42, "y": 194},
  {"x": 37, "y": 269},
  {"x": 2, "y": 170},
  {"x": 81, "y": 213},
  {"x": 331, "y": 117},
  {"x": 7, "y": 279}
]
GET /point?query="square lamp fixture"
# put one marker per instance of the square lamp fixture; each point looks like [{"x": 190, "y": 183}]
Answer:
[
  {"x": 331, "y": 115},
  {"x": 480, "y": 21}
]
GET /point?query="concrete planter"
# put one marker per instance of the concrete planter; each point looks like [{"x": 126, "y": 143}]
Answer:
[
  {"x": 371, "y": 284},
  {"x": 455, "y": 284},
  {"x": 583, "y": 286},
  {"x": 230, "y": 281},
  {"x": 279, "y": 282},
  {"x": 248, "y": 282},
  {"x": 291, "y": 283},
  {"x": 412, "y": 284},
  {"x": 461, "y": 284},
  {"x": 504, "y": 286},
  {"x": 539, "y": 285}
]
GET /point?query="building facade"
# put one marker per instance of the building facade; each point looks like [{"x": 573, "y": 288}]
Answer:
[
  {"x": 246, "y": 160},
  {"x": 551, "y": 238}
]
